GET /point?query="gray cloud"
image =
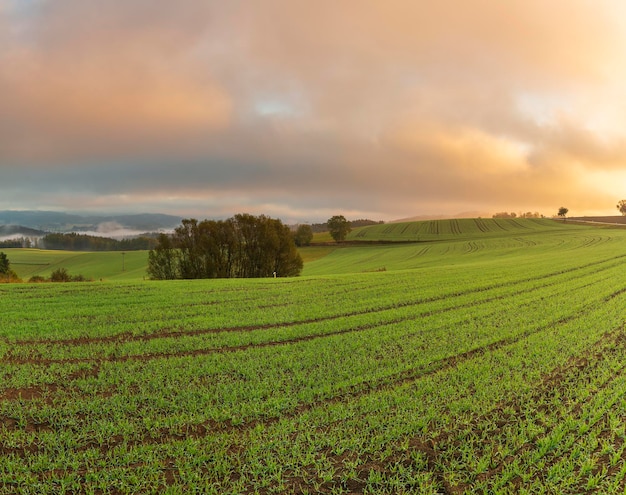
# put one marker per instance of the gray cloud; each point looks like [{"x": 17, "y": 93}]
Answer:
[{"x": 301, "y": 109}]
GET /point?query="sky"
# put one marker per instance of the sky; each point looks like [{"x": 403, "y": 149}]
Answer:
[{"x": 303, "y": 109}]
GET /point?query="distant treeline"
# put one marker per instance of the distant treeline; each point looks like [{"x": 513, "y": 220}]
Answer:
[
  {"x": 16, "y": 243},
  {"x": 528, "y": 214},
  {"x": 362, "y": 222},
  {"x": 84, "y": 242}
]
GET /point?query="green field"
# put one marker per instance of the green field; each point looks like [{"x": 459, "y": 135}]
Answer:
[
  {"x": 463, "y": 228},
  {"x": 402, "y": 246},
  {"x": 110, "y": 265},
  {"x": 482, "y": 361}
]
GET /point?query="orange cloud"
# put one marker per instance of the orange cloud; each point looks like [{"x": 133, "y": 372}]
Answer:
[{"x": 379, "y": 107}]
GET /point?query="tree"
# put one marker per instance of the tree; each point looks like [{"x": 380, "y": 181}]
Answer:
[
  {"x": 162, "y": 259},
  {"x": 338, "y": 227},
  {"x": 5, "y": 265},
  {"x": 6, "y": 274},
  {"x": 621, "y": 206},
  {"x": 563, "y": 211},
  {"x": 60, "y": 275},
  {"x": 303, "y": 235}
]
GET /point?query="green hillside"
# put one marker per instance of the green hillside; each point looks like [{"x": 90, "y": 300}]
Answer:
[
  {"x": 468, "y": 244},
  {"x": 108, "y": 265},
  {"x": 461, "y": 228},
  {"x": 404, "y": 246}
]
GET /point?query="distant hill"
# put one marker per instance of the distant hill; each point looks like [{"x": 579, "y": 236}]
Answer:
[
  {"x": 53, "y": 221},
  {"x": 420, "y": 218},
  {"x": 19, "y": 230}
]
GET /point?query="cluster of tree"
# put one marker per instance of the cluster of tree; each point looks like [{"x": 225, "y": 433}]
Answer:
[
  {"x": 59, "y": 275},
  {"x": 528, "y": 214},
  {"x": 6, "y": 273},
  {"x": 16, "y": 243},
  {"x": 84, "y": 242},
  {"x": 362, "y": 222},
  {"x": 243, "y": 246},
  {"x": 621, "y": 206},
  {"x": 303, "y": 235}
]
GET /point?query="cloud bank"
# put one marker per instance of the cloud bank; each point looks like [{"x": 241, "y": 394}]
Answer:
[{"x": 302, "y": 109}]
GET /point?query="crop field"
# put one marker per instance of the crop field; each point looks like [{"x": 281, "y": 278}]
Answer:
[
  {"x": 498, "y": 370},
  {"x": 110, "y": 265},
  {"x": 525, "y": 240},
  {"x": 461, "y": 228}
]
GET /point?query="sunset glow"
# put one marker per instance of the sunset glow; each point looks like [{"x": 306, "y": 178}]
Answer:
[{"x": 302, "y": 109}]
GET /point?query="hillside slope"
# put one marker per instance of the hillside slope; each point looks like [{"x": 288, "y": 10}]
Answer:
[
  {"x": 462, "y": 228},
  {"x": 447, "y": 243}
]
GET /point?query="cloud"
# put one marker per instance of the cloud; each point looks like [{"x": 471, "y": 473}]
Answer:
[{"x": 385, "y": 109}]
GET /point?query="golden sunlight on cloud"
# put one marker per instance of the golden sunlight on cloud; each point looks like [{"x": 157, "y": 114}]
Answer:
[
  {"x": 379, "y": 107},
  {"x": 68, "y": 111}
]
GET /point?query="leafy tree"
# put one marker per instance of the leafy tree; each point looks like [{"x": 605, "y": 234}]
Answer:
[
  {"x": 621, "y": 206},
  {"x": 60, "y": 275},
  {"x": 6, "y": 274},
  {"x": 563, "y": 211},
  {"x": 303, "y": 235},
  {"x": 162, "y": 260},
  {"x": 5, "y": 265},
  {"x": 338, "y": 227}
]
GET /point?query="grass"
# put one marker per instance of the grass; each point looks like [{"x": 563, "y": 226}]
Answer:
[
  {"x": 454, "y": 229},
  {"x": 485, "y": 364},
  {"x": 108, "y": 265}
]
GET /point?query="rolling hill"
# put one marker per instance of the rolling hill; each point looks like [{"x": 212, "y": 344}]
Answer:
[{"x": 385, "y": 247}]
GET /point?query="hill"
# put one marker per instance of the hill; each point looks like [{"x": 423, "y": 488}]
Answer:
[
  {"x": 53, "y": 221},
  {"x": 442, "y": 244},
  {"x": 404, "y": 246},
  {"x": 450, "y": 229}
]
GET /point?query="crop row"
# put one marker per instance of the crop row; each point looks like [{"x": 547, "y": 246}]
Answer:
[
  {"x": 156, "y": 308},
  {"x": 444, "y": 229},
  {"x": 334, "y": 444},
  {"x": 361, "y": 410}
]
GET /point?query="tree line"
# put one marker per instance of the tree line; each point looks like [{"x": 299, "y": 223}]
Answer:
[
  {"x": 84, "y": 242},
  {"x": 20, "y": 242},
  {"x": 243, "y": 246},
  {"x": 527, "y": 214},
  {"x": 361, "y": 222}
]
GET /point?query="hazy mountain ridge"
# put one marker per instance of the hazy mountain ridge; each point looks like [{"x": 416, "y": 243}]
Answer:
[{"x": 52, "y": 221}]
